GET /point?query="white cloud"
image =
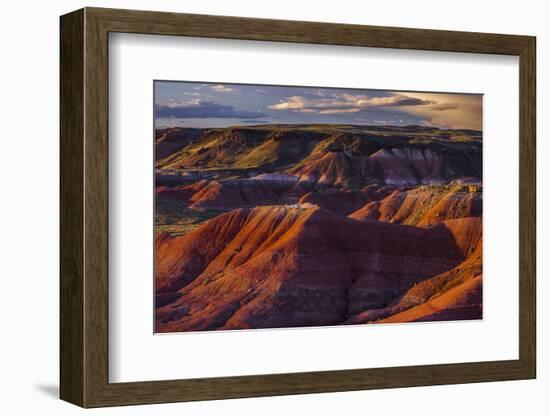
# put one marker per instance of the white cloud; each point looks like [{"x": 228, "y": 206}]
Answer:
[
  {"x": 223, "y": 88},
  {"x": 438, "y": 109},
  {"x": 345, "y": 103}
]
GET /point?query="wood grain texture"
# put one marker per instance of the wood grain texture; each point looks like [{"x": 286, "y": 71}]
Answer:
[
  {"x": 84, "y": 201},
  {"x": 96, "y": 209},
  {"x": 527, "y": 207},
  {"x": 72, "y": 368},
  {"x": 225, "y": 27}
]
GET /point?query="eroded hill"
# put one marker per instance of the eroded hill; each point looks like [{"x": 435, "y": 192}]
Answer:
[
  {"x": 299, "y": 266},
  {"x": 350, "y": 156}
]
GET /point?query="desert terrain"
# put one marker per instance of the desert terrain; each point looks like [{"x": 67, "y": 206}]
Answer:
[{"x": 277, "y": 225}]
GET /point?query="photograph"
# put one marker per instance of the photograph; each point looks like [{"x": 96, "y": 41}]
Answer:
[{"x": 294, "y": 206}]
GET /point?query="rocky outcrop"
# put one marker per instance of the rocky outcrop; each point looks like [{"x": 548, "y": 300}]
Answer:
[
  {"x": 424, "y": 206},
  {"x": 338, "y": 169},
  {"x": 169, "y": 141},
  {"x": 182, "y": 193},
  {"x": 407, "y": 166}
]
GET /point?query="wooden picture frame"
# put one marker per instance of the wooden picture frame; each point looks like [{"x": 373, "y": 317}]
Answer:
[{"x": 84, "y": 207}]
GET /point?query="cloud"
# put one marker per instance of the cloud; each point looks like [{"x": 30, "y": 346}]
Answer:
[
  {"x": 445, "y": 107},
  {"x": 456, "y": 111},
  {"x": 202, "y": 109},
  {"x": 437, "y": 109},
  {"x": 397, "y": 101},
  {"x": 223, "y": 88},
  {"x": 345, "y": 103}
]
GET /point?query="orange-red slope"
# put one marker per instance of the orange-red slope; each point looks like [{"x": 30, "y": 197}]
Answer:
[
  {"x": 424, "y": 206},
  {"x": 281, "y": 266},
  {"x": 454, "y": 294}
]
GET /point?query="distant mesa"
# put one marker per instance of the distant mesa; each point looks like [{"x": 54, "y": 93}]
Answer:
[{"x": 352, "y": 157}]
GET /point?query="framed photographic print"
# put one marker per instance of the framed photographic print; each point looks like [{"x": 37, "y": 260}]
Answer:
[{"x": 260, "y": 207}]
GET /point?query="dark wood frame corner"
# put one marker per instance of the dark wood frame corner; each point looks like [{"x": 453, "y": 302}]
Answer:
[{"x": 84, "y": 207}]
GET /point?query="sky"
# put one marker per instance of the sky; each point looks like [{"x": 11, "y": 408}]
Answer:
[{"x": 198, "y": 104}]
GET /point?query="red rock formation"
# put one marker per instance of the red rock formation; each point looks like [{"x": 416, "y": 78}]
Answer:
[
  {"x": 181, "y": 193},
  {"x": 242, "y": 193},
  {"x": 336, "y": 168},
  {"x": 281, "y": 251},
  {"x": 424, "y": 206},
  {"x": 344, "y": 201},
  {"x": 458, "y": 303},
  {"x": 454, "y": 294},
  {"x": 281, "y": 266},
  {"x": 464, "y": 203}
]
